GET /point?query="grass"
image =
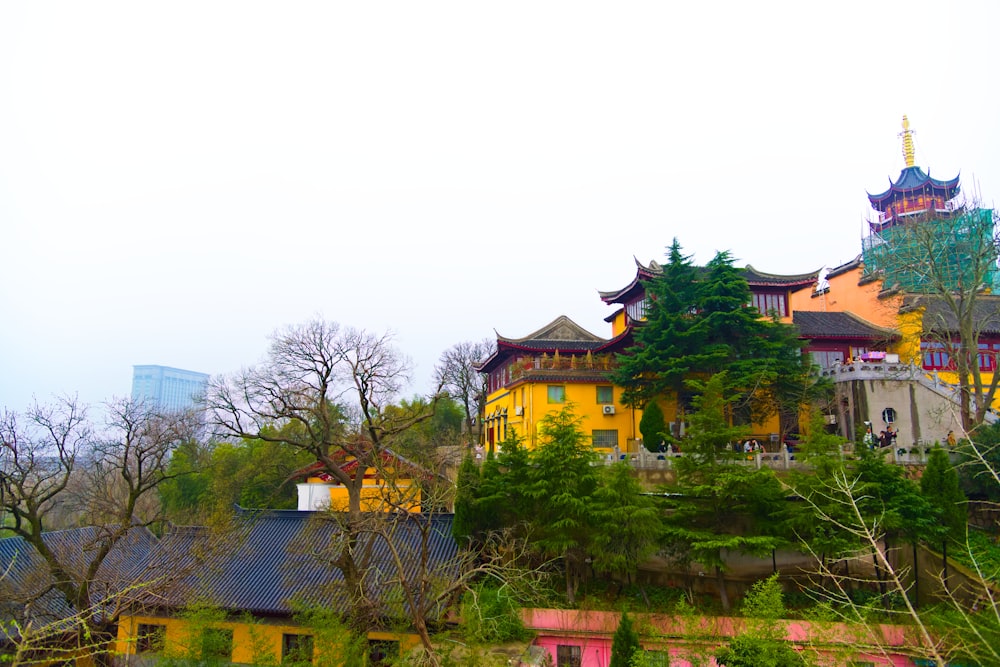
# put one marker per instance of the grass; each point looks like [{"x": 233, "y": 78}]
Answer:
[{"x": 983, "y": 546}]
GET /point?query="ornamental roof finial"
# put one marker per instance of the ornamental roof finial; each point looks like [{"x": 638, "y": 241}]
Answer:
[{"x": 907, "y": 135}]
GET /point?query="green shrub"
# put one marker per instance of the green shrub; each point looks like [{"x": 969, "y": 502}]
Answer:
[{"x": 491, "y": 615}]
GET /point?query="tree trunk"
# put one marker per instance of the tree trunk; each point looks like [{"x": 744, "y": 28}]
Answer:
[
  {"x": 425, "y": 639},
  {"x": 723, "y": 595},
  {"x": 570, "y": 591}
]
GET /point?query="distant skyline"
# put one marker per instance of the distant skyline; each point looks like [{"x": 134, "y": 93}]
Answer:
[{"x": 178, "y": 181}]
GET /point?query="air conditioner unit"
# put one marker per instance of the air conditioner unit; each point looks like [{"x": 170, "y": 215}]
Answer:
[
  {"x": 519, "y": 410},
  {"x": 608, "y": 409}
]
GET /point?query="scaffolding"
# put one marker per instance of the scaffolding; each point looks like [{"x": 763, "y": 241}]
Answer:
[{"x": 930, "y": 253}]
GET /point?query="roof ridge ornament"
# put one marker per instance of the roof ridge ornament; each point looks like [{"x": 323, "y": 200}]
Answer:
[{"x": 907, "y": 135}]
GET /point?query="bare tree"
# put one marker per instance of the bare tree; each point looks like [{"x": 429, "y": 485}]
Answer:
[
  {"x": 404, "y": 556},
  {"x": 328, "y": 391},
  {"x": 962, "y": 623},
  {"x": 457, "y": 373},
  {"x": 50, "y": 460}
]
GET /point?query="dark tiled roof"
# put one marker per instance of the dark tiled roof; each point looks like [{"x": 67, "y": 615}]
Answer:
[
  {"x": 753, "y": 277},
  {"x": 561, "y": 331},
  {"x": 276, "y": 559},
  {"x": 845, "y": 267},
  {"x": 562, "y": 334},
  {"x": 814, "y": 325},
  {"x": 27, "y": 576},
  {"x": 940, "y": 318},
  {"x": 264, "y": 564},
  {"x": 642, "y": 273},
  {"x": 761, "y": 279}
]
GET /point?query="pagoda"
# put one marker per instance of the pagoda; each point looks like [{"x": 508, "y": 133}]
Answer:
[
  {"x": 914, "y": 192},
  {"x": 918, "y": 215}
]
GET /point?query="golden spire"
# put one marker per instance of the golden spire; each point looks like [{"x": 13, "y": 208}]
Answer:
[{"x": 907, "y": 135}]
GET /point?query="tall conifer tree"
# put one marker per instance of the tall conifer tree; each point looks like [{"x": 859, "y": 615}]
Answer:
[
  {"x": 939, "y": 485},
  {"x": 700, "y": 322},
  {"x": 625, "y": 643}
]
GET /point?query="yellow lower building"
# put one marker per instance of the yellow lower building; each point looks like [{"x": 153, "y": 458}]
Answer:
[
  {"x": 269, "y": 590},
  {"x": 143, "y": 639},
  {"x": 559, "y": 365}
]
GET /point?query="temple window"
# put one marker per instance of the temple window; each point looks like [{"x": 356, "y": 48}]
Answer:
[
  {"x": 217, "y": 644},
  {"x": 605, "y": 394},
  {"x": 149, "y": 638},
  {"x": 382, "y": 651},
  {"x": 556, "y": 393},
  {"x": 766, "y": 303},
  {"x": 827, "y": 358},
  {"x": 605, "y": 437},
  {"x": 636, "y": 310},
  {"x": 935, "y": 356},
  {"x": 296, "y": 648},
  {"x": 988, "y": 356}
]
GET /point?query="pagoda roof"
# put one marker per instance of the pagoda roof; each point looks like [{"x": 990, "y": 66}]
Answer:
[
  {"x": 754, "y": 278},
  {"x": 643, "y": 272},
  {"x": 838, "y": 325},
  {"x": 561, "y": 334},
  {"x": 912, "y": 179},
  {"x": 757, "y": 278}
]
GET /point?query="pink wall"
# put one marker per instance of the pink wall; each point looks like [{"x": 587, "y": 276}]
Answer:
[{"x": 689, "y": 639}]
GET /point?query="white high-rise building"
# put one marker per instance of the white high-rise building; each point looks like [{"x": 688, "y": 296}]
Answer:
[{"x": 168, "y": 388}]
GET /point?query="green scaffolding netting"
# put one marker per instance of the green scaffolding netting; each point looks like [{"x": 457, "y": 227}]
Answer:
[{"x": 931, "y": 254}]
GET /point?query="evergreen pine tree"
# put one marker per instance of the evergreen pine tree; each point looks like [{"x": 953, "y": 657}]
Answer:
[
  {"x": 939, "y": 485},
  {"x": 702, "y": 322},
  {"x": 721, "y": 508},
  {"x": 652, "y": 426},
  {"x": 654, "y": 366},
  {"x": 626, "y": 523},
  {"x": 466, "y": 522},
  {"x": 625, "y": 643},
  {"x": 561, "y": 480}
]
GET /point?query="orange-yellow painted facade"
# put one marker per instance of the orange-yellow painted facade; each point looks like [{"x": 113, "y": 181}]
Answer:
[
  {"x": 848, "y": 293},
  {"x": 527, "y": 401},
  {"x": 376, "y": 494},
  {"x": 619, "y": 322},
  {"x": 262, "y": 635}
]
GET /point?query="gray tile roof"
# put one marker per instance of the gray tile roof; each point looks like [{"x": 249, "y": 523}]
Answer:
[
  {"x": 264, "y": 564},
  {"x": 27, "y": 577},
  {"x": 275, "y": 560},
  {"x": 940, "y": 318},
  {"x": 815, "y": 325}
]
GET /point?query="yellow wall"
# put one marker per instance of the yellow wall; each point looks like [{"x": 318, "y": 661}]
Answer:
[
  {"x": 910, "y": 327},
  {"x": 531, "y": 400},
  {"x": 375, "y": 495},
  {"x": 268, "y": 635},
  {"x": 618, "y": 323}
]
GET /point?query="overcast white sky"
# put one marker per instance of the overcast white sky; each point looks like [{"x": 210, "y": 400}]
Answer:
[{"x": 180, "y": 179}]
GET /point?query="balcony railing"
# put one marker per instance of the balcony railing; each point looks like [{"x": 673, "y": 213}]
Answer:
[{"x": 583, "y": 364}]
